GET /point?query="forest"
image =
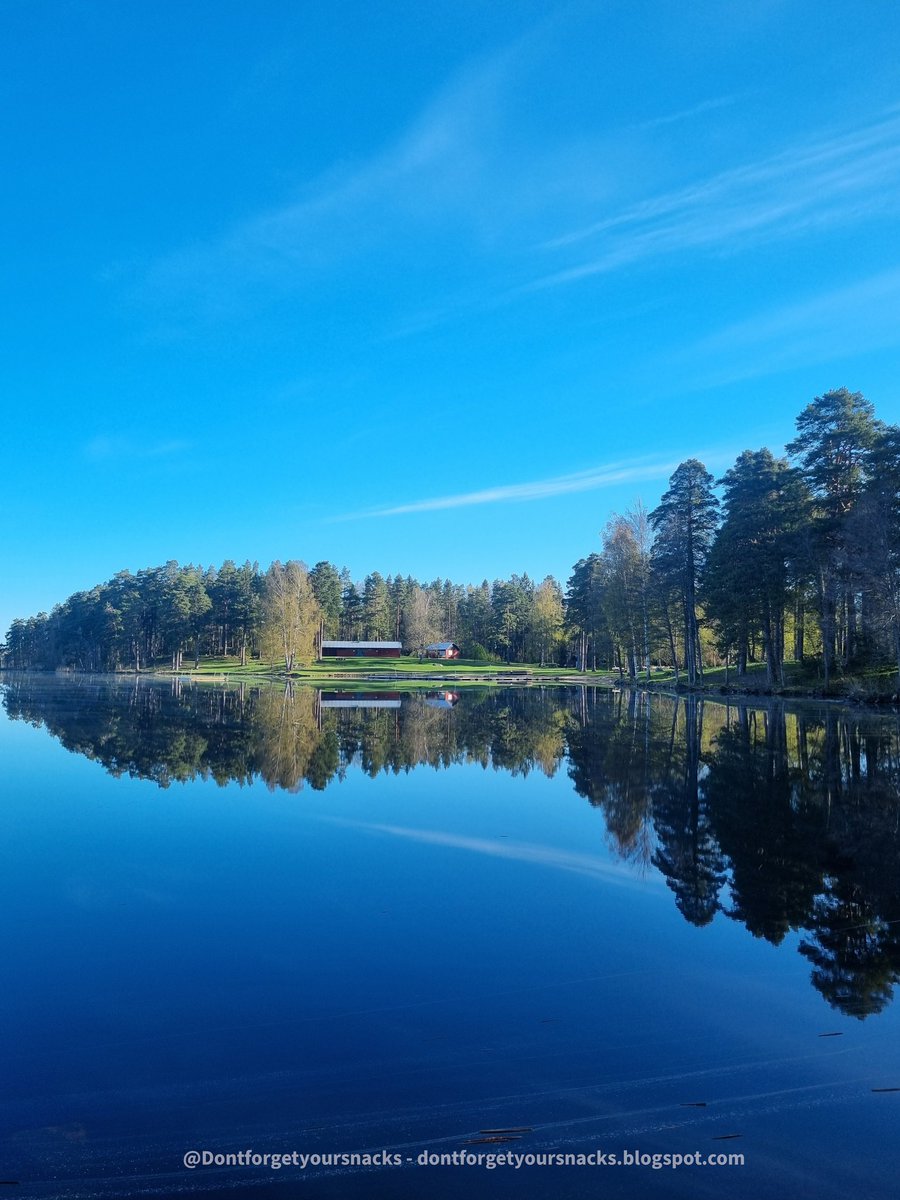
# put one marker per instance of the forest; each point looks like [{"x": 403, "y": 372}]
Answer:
[{"x": 792, "y": 559}]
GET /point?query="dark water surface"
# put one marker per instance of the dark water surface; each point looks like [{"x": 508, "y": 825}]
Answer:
[{"x": 244, "y": 919}]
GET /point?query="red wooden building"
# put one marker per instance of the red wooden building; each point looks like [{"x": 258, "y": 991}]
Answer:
[{"x": 361, "y": 649}]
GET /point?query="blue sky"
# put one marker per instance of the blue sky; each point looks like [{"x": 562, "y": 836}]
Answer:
[{"x": 418, "y": 287}]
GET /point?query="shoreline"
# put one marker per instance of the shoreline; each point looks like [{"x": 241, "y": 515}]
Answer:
[{"x": 507, "y": 677}]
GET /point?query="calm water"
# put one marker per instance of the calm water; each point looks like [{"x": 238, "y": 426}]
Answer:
[{"x": 249, "y": 919}]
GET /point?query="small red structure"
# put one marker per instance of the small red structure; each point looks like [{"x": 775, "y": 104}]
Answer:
[{"x": 442, "y": 650}]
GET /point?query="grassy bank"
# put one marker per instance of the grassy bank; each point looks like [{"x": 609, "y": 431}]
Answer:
[
  {"x": 408, "y": 670},
  {"x": 801, "y": 679}
]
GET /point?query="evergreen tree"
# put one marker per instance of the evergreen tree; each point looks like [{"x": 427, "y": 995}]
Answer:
[
  {"x": 585, "y": 611},
  {"x": 326, "y": 585},
  {"x": 875, "y": 538},
  {"x": 685, "y": 522},
  {"x": 835, "y": 436},
  {"x": 748, "y": 570},
  {"x": 376, "y": 608}
]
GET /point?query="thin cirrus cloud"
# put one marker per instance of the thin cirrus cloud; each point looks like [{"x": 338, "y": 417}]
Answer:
[
  {"x": 830, "y": 180},
  {"x": 609, "y": 475},
  {"x": 686, "y": 114},
  {"x": 855, "y": 318},
  {"x": 333, "y": 218},
  {"x": 528, "y": 852},
  {"x": 451, "y": 165},
  {"x": 467, "y": 165}
]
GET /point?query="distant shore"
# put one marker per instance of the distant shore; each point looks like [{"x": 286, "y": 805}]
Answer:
[{"x": 876, "y": 691}]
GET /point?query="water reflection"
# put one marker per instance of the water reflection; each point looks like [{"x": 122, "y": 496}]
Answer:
[{"x": 785, "y": 819}]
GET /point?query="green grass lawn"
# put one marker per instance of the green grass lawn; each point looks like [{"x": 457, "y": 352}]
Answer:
[
  {"x": 805, "y": 676},
  {"x": 383, "y": 672},
  {"x": 795, "y": 675},
  {"x": 408, "y": 666}
]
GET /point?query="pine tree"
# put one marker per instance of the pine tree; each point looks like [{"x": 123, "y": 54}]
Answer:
[
  {"x": 835, "y": 435},
  {"x": 748, "y": 570},
  {"x": 685, "y": 522}
]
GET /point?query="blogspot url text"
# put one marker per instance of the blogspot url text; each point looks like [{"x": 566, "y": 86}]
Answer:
[{"x": 485, "y": 1159}]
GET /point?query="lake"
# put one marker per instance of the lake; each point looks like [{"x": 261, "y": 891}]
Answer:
[{"x": 520, "y": 922}]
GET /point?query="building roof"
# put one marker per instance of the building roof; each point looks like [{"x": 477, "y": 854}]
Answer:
[
  {"x": 362, "y": 645},
  {"x": 442, "y": 646}
]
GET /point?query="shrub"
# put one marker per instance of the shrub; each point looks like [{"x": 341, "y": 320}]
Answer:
[{"x": 479, "y": 653}]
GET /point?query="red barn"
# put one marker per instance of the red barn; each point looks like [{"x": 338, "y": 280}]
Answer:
[{"x": 362, "y": 649}]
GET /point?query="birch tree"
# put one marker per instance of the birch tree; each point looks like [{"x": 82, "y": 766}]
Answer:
[{"x": 291, "y": 613}]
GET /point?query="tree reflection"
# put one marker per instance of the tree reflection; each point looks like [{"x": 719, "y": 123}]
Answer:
[
  {"x": 854, "y": 951},
  {"x": 688, "y": 854},
  {"x": 769, "y": 831},
  {"x": 287, "y": 737},
  {"x": 614, "y": 748},
  {"x": 785, "y": 819}
]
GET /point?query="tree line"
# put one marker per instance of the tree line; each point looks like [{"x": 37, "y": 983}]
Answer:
[
  {"x": 796, "y": 558},
  {"x": 172, "y": 613}
]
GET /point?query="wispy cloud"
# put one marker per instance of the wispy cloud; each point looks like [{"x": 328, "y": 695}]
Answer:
[
  {"x": 468, "y": 177},
  {"x": 816, "y": 184},
  {"x": 608, "y": 475},
  {"x": 345, "y": 210},
  {"x": 686, "y": 114},
  {"x": 857, "y": 318},
  {"x": 461, "y": 209},
  {"x": 527, "y": 852},
  {"x": 453, "y": 166}
]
